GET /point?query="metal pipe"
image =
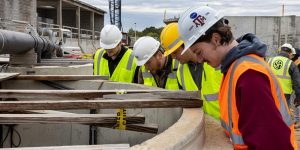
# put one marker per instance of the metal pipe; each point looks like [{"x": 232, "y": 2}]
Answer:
[{"x": 12, "y": 42}]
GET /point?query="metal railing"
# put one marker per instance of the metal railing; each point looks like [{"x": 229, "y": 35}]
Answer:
[{"x": 85, "y": 34}]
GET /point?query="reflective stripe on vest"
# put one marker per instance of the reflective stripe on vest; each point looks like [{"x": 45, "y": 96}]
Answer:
[
  {"x": 211, "y": 82},
  {"x": 210, "y": 87},
  {"x": 297, "y": 62},
  {"x": 175, "y": 64},
  {"x": 98, "y": 56},
  {"x": 125, "y": 70},
  {"x": 171, "y": 82},
  {"x": 237, "y": 139},
  {"x": 281, "y": 71},
  {"x": 148, "y": 77},
  {"x": 211, "y": 97},
  {"x": 185, "y": 76}
]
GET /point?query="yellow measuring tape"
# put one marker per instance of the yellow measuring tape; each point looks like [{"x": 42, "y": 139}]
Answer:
[
  {"x": 121, "y": 115},
  {"x": 121, "y": 119}
]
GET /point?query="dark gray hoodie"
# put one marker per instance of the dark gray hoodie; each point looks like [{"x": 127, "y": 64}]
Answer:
[{"x": 248, "y": 44}]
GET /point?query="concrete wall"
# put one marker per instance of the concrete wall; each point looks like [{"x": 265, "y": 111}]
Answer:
[
  {"x": 17, "y": 10},
  {"x": 272, "y": 30}
]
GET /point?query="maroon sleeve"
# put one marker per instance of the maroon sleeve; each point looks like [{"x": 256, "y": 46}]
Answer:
[{"x": 260, "y": 122}]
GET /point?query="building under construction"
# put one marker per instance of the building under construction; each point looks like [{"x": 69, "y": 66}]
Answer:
[{"x": 82, "y": 20}]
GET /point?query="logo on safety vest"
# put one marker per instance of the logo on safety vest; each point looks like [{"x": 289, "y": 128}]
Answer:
[{"x": 278, "y": 64}]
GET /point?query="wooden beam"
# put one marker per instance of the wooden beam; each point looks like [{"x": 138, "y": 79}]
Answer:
[
  {"x": 145, "y": 128},
  {"x": 78, "y": 147},
  {"x": 95, "y": 119},
  {"x": 157, "y": 95},
  {"x": 44, "y": 94},
  {"x": 6, "y": 76},
  {"x": 97, "y": 104},
  {"x": 60, "y": 77}
]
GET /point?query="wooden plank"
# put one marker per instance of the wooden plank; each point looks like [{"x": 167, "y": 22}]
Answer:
[
  {"x": 65, "y": 93},
  {"x": 97, "y": 104},
  {"x": 192, "y": 95},
  {"x": 145, "y": 128},
  {"x": 68, "y": 59},
  {"x": 61, "y": 64},
  {"x": 77, "y": 147},
  {"x": 6, "y": 76},
  {"x": 60, "y": 77},
  {"x": 97, "y": 119}
]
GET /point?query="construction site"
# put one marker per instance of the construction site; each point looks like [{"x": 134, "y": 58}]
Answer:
[{"x": 52, "y": 99}]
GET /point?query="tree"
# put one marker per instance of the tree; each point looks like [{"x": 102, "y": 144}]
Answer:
[{"x": 149, "y": 31}]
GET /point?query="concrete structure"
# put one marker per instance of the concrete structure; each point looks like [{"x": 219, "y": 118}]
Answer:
[
  {"x": 178, "y": 128},
  {"x": 272, "y": 30},
  {"x": 74, "y": 134},
  {"x": 84, "y": 21},
  {"x": 17, "y": 10}
]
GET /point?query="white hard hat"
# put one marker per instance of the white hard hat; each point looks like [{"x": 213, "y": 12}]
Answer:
[
  {"x": 287, "y": 45},
  {"x": 110, "y": 37},
  {"x": 144, "y": 48},
  {"x": 194, "y": 22}
]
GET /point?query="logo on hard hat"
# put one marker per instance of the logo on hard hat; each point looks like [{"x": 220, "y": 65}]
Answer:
[
  {"x": 199, "y": 21},
  {"x": 278, "y": 64},
  {"x": 193, "y": 15}
]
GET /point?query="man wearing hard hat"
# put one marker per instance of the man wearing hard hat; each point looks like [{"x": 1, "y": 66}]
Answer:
[
  {"x": 156, "y": 70},
  {"x": 193, "y": 76},
  {"x": 113, "y": 59},
  {"x": 253, "y": 110},
  {"x": 287, "y": 72}
]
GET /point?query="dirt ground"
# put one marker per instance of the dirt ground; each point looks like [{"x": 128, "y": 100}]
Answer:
[{"x": 298, "y": 136}]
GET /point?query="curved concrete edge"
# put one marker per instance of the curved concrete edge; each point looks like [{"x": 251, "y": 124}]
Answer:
[{"x": 187, "y": 133}]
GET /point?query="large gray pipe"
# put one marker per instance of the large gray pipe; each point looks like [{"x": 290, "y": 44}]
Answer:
[{"x": 12, "y": 42}]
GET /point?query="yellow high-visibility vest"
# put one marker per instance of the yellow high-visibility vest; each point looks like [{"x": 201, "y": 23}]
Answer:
[
  {"x": 210, "y": 84},
  {"x": 280, "y": 66},
  {"x": 124, "y": 71},
  {"x": 171, "y": 83}
]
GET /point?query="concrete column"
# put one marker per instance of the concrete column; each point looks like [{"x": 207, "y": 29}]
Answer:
[
  {"x": 78, "y": 22},
  {"x": 92, "y": 24},
  {"x": 293, "y": 29},
  {"x": 59, "y": 13}
]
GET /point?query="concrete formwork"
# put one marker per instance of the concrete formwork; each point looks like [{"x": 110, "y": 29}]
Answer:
[
  {"x": 177, "y": 129},
  {"x": 73, "y": 134}
]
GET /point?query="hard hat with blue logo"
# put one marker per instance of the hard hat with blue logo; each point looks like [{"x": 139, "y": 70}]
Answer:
[{"x": 194, "y": 22}]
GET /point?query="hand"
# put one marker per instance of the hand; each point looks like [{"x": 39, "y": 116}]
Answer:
[{"x": 296, "y": 102}]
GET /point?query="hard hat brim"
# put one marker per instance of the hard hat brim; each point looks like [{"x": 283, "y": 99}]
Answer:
[
  {"x": 173, "y": 49},
  {"x": 108, "y": 46},
  {"x": 141, "y": 62}
]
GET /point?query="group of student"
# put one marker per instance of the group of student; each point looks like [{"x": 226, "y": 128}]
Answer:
[{"x": 199, "y": 53}]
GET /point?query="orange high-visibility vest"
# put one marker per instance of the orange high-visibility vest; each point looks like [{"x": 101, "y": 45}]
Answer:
[
  {"x": 297, "y": 62},
  {"x": 227, "y": 98}
]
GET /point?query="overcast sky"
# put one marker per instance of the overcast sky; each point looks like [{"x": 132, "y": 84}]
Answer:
[{"x": 146, "y": 13}]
